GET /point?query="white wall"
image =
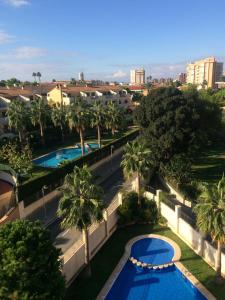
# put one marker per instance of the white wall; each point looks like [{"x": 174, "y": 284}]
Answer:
[
  {"x": 74, "y": 257},
  {"x": 190, "y": 235}
]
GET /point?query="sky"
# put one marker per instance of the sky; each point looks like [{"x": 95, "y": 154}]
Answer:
[{"x": 107, "y": 38}]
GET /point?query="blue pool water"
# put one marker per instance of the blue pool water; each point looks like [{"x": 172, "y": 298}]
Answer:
[
  {"x": 53, "y": 160},
  {"x": 152, "y": 251},
  {"x": 136, "y": 283}
]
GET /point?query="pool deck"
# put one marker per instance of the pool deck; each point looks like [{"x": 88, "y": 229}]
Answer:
[{"x": 176, "y": 259}]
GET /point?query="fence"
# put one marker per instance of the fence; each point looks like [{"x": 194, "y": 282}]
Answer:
[
  {"x": 98, "y": 234},
  {"x": 74, "y": 257},
  {"x": 184, "y": 226}
]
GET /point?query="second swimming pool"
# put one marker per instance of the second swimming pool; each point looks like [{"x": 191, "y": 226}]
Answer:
[{"x": 54, "y": 159}]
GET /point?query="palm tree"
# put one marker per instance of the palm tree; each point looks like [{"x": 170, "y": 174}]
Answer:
[
  {"x": 136, "y": 159},
  {"x": 210, "y": 211},
  {"x": 39, "y": 76},
  {"x": 38, "y": 113},
  {"x": 98, "y": 119},
  {"x": 58, "y": 117},
  {"x": 17, "y": 116},
  {"x": 77, "y": 116},
  {"x": 113, "y": 118},
  {"x": 81, "y": 204},
  {"x": 34, "y": 75}
]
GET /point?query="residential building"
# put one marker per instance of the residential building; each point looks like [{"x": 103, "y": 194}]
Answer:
[
  {"x": 206, "y": 71},
  {"x": 26, "y": 94},
  {"x": 81, "y": 76},
  {"x": 137, "y": 77},
  {"x": 181, "y": 77},
  {"x": 105, "y": 94}
]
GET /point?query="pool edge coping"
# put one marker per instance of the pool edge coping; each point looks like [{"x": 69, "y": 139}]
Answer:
[
  {"x": 60, "y": 149},
  {"x": 177, "y": 255}
]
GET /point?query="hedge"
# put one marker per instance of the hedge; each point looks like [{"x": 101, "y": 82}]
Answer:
[{"x": 31, "y": 190}]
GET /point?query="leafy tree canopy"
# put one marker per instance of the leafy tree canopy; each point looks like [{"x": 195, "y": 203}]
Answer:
[
  {"x": 29, "y": 263},
  {"x": 18, "y": 157},
  {"x": 176, "y": 122}
]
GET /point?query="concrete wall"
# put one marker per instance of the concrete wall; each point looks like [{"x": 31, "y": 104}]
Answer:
[
  {"x": 12, "y": 215},
  {"x": 99, "y": 233},
  {"x": 189, "y": 235}
]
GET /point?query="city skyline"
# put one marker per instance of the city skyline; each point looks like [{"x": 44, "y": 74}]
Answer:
[{"x": 103, "y": 40}]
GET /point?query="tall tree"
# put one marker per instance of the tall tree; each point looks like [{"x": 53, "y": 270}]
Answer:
[
  {"x": 34, "y": 75},
  {"x": 113, "y": 117},
  {"x": 17, "y": 116},
  {"x": 172, "y": 122},
  {"x": 29, "y": 263},
  {"x": 81, "y": 204},
  {"x": 78, "y": 118},
  {"x": 58, "y": 116},
  {"x": 98, "y": 119},
  {"x": 39, "y": 112},
  {"x": 136, "y": 159},
  {"x": 39, "y": 76},
  {"x": 210, "y": 211}
]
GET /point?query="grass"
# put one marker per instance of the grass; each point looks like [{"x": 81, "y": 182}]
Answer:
[
  {"x": 210, "y": 166},
  {"x": 108, "y": 257}
]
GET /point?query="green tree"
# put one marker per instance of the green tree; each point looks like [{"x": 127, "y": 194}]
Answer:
[
  {"x": 178, "y": 170},
  {"x": 98, "y": 119},
  {"x": 39, "y": 112},
  {"x": 78, "y": 118},
  {"x": 81, "y": 204},
  {"x": 39, "y": 76},
  {"x": 175, "y": 122},
  {"x": 58, "y": 116},
  {"x": 18, "y": 157},
  {"x": 17, "y": 116},
  {"x": 34, "y": 75},
  {"x": 113, "y": 117},
  {"x": 29, "y": 263},
  {"x": 210, "y": 211},
  {"x": 136, "y": 159}
]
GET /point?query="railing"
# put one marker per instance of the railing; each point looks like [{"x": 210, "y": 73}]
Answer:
[
  {"x": 189, "y": 219},
  {"x": 169, "y": 202}
]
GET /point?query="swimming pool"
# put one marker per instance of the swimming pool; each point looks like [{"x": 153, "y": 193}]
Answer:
[
  {"x": 54, "y": 159},
  {"x": 134, "y": 282}
]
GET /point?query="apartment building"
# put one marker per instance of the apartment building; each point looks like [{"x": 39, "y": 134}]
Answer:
[
  {"x": 26, "y": 94},
  {"x": 182, "y": 77},
  {"x": 69, "y": 94},
  {"x": 137, "y": 77},
  {"x": 206, "y": 71}
]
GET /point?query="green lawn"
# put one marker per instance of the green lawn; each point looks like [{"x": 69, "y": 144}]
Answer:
[
  {"x": 210, "y": 166},
  {"x": 108, "y": 257}
]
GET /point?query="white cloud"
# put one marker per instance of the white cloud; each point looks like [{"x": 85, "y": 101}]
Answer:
[
  {"x": 28, "y": 52},
  {"x": 23, "y": 53},
  {"x": 5, "y": 37},
  {"x": 119, "y": 74},
  {"x": 17, "y": 3}
]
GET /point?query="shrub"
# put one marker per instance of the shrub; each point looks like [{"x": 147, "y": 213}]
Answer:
[
  {"x": 130, "y": 212},
  {"x": 29, "y": 263},
  {"x": 190, "y": 191}
]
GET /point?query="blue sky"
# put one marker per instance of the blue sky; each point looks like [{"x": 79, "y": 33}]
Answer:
[{"x": 105, "y": 39}]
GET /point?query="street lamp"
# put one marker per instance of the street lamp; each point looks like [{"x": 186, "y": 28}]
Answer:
[
  {"x": 43, "y": 198},
  {"x": 112, "y": 147}
]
